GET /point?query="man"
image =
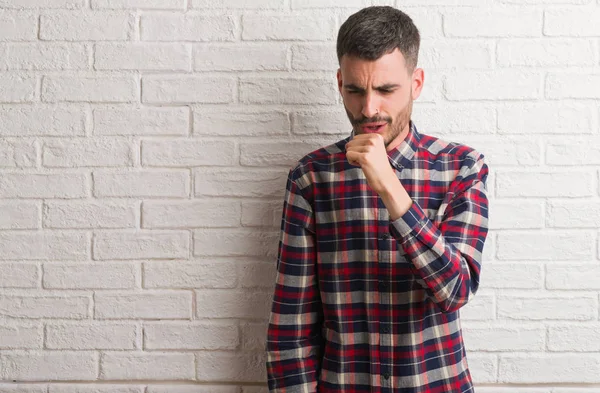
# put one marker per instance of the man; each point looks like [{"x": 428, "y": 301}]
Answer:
[{"x": 382, "y": 236}]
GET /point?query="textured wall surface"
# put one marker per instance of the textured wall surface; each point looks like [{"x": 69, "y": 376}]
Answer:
[{"x": 143, "y": 156}]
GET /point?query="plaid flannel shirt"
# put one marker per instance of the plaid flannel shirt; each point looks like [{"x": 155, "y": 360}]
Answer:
[{"x": 366, "y": 304}]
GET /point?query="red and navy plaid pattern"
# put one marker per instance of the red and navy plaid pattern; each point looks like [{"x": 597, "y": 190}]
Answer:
[{"x": 365, "y": 304}]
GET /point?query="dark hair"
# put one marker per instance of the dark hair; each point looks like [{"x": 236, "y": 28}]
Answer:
[{"x": 375, "y": 31}]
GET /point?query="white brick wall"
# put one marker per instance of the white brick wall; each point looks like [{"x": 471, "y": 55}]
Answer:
[{"x": 144, "y": 147}]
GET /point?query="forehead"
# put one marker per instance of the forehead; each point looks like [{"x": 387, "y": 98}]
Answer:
[{"x": 389, "y": 67}]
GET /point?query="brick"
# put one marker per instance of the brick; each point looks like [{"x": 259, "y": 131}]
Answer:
[
  {"x": 121, "y": 245},
  {"x": 86, "y": 26},
  {"x": 144, "y": 366},
  {"x": 191, "y": 214},
  {"x": 17, "y": 25},
  {"x": 90, "y": 336},
  {"x": 240, "y": 122},
  {"x": 47, "y": 56},
  {"x": 455, "y": 54},
  {"x": 545, "y": 184},
  {"x": 197, "y": 274},
  {"x": 258, "y": 275},
  {"x": 238, "y": 367},
  {"x": 493, "y": 23},
  {"x": 303, "y": 4},
  {"x": 512, "y": 276},
  {"x": 21, "y": 336},
  {"x": 508, "y": 215},
  {"x": 193, "y": 389},
  {"x": 254, "y": 336},
  {"x": 195, "y": 336},
  {"x": 238, "y": 4},
  {"x": 44, "y": 366},
  {"x": 187, "y": 89},
  {"x": 483, "y": 367},
  {"x": 95, "y": 388},
  {"x": 235, "y": 242},
  {"x": 140, "y": 4},
  {"x": 39, "y": 121},
  {"x": 90, "y": 214},
  {"x": 427, "y": 19},
  {"x": 505, "y": 339},
  {"x": 545, "y": 53},
  {"x": 88, "y": 153},
  {"x": 106, "y": 89},
  {"x": 142, "y": 121},
  {"x": 143, "y": 305},
  {"x": 570, "y": 338},
  {"x": 90, "y": 276},
  {"x": 18, "y": 185},
  {"x": 189, "y": 152},
  {"x": 269, "y": 154},
  {"x": 572, "y": 85},
  {"x": 544, "y": 118},
  {"x": 19, "y": 275},
  {"x": 240, "y": 57},
  {"x": 143, "y": 184},
  {"x": 18, "y": 154},
  {"x": 549, "y": 368},
  {"x": 143, "y": 56},
  {"x": 45, "y": 306},
  {"x": 331, "y": 120},
  {"x": 48, "y": 245},
  {"x": 478, "y": 119},
  {"x": 502, "y": 151},
  {"x": 223, "y": 183},
  {"x": 490, "y": 85},
  {"x": 571, "y": 245},
  {"x": 587, "y": 152},
  {"x": 190, "y": 26},
  {"x": 17, "y": 88},
  {"x": 570, "y": 214},
  {"x": 314, "y": 57},
  {"x": 573, "y": 277},
  {"x": 19, "y": 215},
  {"x": 228, "y": 303},
  {"x": 263, "y": 90},
  {"x": 572, "y": 22},
  {"x": 68, "y": 4},
  {"x": 547, "y": 307},
  {"x": 23, "y": 388},
  {"x": 262, "y": 213},
  {"x": 300, "y": 26},
  {"x": 479, "y": 308}
]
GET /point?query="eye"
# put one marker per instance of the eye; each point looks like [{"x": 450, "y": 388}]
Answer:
[{"x": 387, "y": 91}]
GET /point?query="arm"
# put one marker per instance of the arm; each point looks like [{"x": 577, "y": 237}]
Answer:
[
  {"x": 294, "y": 334},
  {"x": 448, "y": 257}
]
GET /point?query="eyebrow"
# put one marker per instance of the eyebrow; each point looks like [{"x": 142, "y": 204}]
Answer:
[{"x": 387, "y": 86}]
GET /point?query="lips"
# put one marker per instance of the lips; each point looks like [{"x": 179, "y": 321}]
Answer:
[{"x": 372, "y": 127}]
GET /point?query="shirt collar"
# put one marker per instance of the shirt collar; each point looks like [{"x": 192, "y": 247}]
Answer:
[{"x": 401, "y": 156}]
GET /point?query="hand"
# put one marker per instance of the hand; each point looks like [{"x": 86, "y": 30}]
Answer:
[{"x": 368, "y": 152}]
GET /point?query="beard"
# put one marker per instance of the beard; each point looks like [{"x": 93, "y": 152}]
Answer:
[{"x": 395, "y": 126}]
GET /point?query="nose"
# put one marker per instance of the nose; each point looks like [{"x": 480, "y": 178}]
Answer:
[{"x": 370, "y": 106}]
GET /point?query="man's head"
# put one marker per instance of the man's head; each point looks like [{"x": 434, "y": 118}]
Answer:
[{"x": 378, "y": 78}]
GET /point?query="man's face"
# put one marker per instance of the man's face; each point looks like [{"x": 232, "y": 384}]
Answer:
[{"x": 378, "y": 95}]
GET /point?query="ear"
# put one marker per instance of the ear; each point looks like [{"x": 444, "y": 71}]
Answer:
[
  {"x": 340, "y": 82},
  {"x": 418, "y": 79}
]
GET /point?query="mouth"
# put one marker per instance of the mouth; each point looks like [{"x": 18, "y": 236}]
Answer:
[{"x": 372, "y": 127}]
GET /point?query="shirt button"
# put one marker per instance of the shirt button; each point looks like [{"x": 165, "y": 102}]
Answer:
[
  {"x": 386, "y": 329},
  {"x": 386, "y": 376},
  {"x": 382, "y": 286},
  {"x": 385, "y": 236}
]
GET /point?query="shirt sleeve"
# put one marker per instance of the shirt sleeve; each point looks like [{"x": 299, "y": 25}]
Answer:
[
  {"x": 448, "y": 256},
  {"x": 294, "y": 341}
]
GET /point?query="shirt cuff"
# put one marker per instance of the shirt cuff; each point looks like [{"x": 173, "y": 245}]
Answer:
[{"x": 408, "y": 222}]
